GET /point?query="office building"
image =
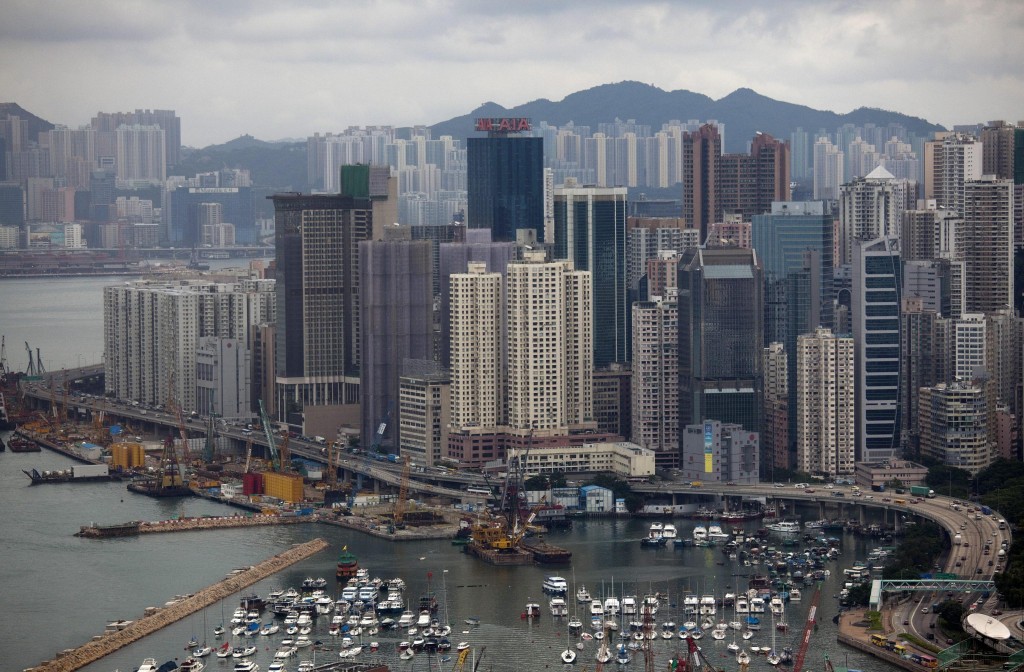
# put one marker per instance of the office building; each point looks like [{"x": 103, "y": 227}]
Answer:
[
  {"x": 194, "y": 207},
  {"x": 824, "y": 404},
  {"x": 655, "y": 385},
  {"x": 423, "y": 411},
  {"x": 986, "y": 244},
  {"x": 720, "y": 452},
  {"x": 12, "y": 204},
  {"x": 590, "y": 231},
  {"x": 318, "y": 334},
  {"x": 701, "y": 164},
  {"x": 720, "y": 336},
  {"x": 875, "y": 310},
  {"x": 396, "y": 319},
  {"x": 505, "y": 184}
]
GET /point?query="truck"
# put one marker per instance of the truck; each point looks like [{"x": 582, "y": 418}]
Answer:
[
  {"x": 986, "y": 511},
  {"x": 880, "y": 487},
  {"x": 922, "y": 491},
  {"x": 319, "y": 439},
  {"x": 957, "y": 540}
]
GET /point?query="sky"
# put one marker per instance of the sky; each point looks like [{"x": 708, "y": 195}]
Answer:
[{"x": 289, "y": 68}]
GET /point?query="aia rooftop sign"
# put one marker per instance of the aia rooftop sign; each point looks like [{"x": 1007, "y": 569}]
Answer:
[{"x": 503, "y": 124}]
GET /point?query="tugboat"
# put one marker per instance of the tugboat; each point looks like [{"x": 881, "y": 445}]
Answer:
[{"x": 348, "y": 564}]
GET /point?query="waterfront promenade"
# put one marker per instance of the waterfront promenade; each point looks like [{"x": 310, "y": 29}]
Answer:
[{"x": 102, "y": 645}]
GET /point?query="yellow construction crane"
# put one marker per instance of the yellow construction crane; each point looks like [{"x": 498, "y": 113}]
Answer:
[
  {"x": 248, "y": 455},
  {"x": 403, "y": 493}
]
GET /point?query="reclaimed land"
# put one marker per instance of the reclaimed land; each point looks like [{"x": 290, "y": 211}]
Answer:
[{"x": 74, "y": 659}]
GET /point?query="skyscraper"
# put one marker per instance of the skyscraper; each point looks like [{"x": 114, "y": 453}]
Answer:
[
  {"x": 655, "y": 399},
  {"x": 505, "y": 183},
  {"x": 476, "y": 369},
  {"x": 824, "y": 404},
  {"x": 720, "y": 336},
  {"x": 750, "y": 183},
  {"x": 869, "y": 207},
  {"x": 875, "y": 309},
  {"x": 828, "y": 169},
  {"x": 590, "y": 231},
  {"x": 396, "y": 324},
  {"x": 140, "y": 155},
  {"x": 318, "y": 334},
  {"x": 950, "y": 161},
  {"x": 986, "y": 244},
  {"x": 702, "y": 154}
]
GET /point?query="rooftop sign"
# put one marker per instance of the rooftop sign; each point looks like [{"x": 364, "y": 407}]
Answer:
[{"x": 503, "y": 124}]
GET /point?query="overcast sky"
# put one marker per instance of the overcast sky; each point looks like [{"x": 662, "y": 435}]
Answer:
[{"x": 288, "y": 68}]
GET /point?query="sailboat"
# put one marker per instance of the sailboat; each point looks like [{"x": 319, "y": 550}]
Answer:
[
  {"x": 575, "y": 624},
  {"x": 773, "y": 657},
  {"x": 219, "y": 630},
  {"x": 734, "y": 626},
  {"x": 743, "y": 658}
]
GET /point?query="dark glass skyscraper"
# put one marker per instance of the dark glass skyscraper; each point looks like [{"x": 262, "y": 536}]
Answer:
[
  {"x": 505, "y": 184},
  {"x": 590, "y": 231},
  {"x": 720, "y": 336}
]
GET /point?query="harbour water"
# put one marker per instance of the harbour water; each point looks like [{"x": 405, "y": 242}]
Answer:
[{"x": 60, "y": 590}]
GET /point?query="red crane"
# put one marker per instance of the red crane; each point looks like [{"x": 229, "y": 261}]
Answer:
[{"x": 798, "y": 665}]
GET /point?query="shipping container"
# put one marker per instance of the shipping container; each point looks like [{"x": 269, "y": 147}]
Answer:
[
  {"x": 89, "y": 470},
  {"x": 252, "y": 484}
]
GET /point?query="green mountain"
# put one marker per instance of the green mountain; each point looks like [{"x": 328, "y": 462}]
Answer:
[
  {"x": 278, "y": 166},
  {"x": 744, "y": 112}
]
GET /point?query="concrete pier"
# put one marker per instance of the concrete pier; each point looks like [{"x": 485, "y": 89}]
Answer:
[
  {"x": 109, "y": 642},
  {"x": 190, "y": 524}
]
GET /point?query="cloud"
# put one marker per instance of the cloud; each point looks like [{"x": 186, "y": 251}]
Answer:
[{"x": 286, "y": 69}]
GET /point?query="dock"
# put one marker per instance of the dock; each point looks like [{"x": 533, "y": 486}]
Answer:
[{"x": 155, "y": 619}]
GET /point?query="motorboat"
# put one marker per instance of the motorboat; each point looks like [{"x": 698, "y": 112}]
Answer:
[
  {"x": 785, "y": 526},
  {"x": 700, "y": 534},
  {"x": 148, "y": 665},
  {"x": 558, "y": 606},
  {"x": 596, "y": 607},
  {"x": 747, "y": 634},
  {"x": 743, "y": 658},
  {"x": 669, "y": 531},
  {"x": 583, "y": 595},
  {"x": 202, "y": 651},
  {"x": 555, "y": 584},
  {"x": 192, "y": 665},
  {"x": 612, "y": 606},
  {"x": 246, "y": 666},
  {"x": 629, "y": 605},
  {"x": 657, "y": 529}
]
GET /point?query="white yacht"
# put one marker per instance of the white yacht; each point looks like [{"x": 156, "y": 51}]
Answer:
[
  {"x": 583, "y": 595},
  {"x": 558, "y": 606},
  {"x": 785, "y": 526},
  {"x": 669, "y": 531},
  {"x": 700, "y": 534},
  {"x": 715, "y": 533},
  {"x": 650, "y": 604},
  {"x": 707, "y": 605},
  {"x": 596, "y": 607},
  {"x": 794, "y": 595},
  {"x": 148, "y": 665},
  {"x": 657, "y": 529},
  {"x": 775, "y": 604},
  {"x": 612, "y": 606},
  {"x": 629, "y": 605},
  {"x": 690, "y": 603},
  {"x": 757, "y": 605},
  {"x": 555, "y": 584},
  {"x": 742, "y": 605}
]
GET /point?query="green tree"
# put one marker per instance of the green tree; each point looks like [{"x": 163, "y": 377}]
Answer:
[
  {"x": 951, "y": 612},
  {"x": 538, "y": 482},
  {"x": 557, "y": 479}
]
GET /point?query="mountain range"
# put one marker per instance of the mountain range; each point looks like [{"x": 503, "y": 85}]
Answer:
[
  {"x": 282, "y": 165},
  {"x": 744, "y": 113}
]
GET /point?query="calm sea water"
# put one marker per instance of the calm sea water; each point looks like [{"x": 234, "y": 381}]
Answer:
[{"x": 59, "y": 590}]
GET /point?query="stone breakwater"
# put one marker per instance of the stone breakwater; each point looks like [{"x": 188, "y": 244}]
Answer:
[
  {"x": 189, "y": 524},
  {"x": 100, "y": 646}
]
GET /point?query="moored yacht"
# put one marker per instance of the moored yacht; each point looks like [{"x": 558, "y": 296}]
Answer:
[
  {"x": 669, "y": 531},
  {"x": 555, "y": 584},
  {"x": 583, "y": 595},
  {"x": 785, "y": 526},
  {"x": 700, "y": 534}
]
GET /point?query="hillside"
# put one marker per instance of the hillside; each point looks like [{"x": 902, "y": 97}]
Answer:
[
  {"x": 278, "y": 166},
  {"x": 744, "y": 112}
]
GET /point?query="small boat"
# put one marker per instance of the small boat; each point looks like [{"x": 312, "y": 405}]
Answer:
[
  {"x": 407, "y": 654},
  {"x": 218, "y": 631},
  {"x": 743, "y": 658},
  {"x": 202, "y": 652},
  {"x": 472, "y": 620},
  {"x": 462, "y": 646},
  {"x": 748, "y": 634},
  {"x": 148, "y": 665},
  {"x": 192, "y": 665},
  {"x": 246, "y": 666},
  {"x": 622, "y": 657},
  {"x": 733, "y": 647},
  {"x": 582, "y": 595},
  {"x": 224, "y": 651}
]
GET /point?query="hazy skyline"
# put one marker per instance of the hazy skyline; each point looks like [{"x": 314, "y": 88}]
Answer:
[{"x": 276, "y": 70}]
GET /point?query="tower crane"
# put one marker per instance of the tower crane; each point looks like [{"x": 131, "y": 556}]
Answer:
[
  {"x": 332, "y": 466},
  {"x": 798, "y": 664}
]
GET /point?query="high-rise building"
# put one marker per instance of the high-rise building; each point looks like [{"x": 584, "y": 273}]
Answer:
[
  {"x": 648, "y": 237},
  {"x": 223, "y": 377},
  {"x": 775, "y": 426},
  {"x": 152, "y": 331},
  {"x": 318, "y": 334},
  {"x": 590, "y": 231},
  {"x": 12, "y": 204},
  {"x": 139, "y": 152},
  {"x": 875, "y": 310},
  {"x": 106, "y": 123},
  {"x": 950, "y": 161},
  {"x": 720, "y": 336},
  {"x": 929, "y": 232},
  {"x": 824, "y": 404},
  {"x": 396, "y": 323},
  {"x": 923, "y": 362},
  {"x": 701, "y": 159},
  {"x": 719, "y": 452},
  {"x": 828, "y": 169},
  {"x": 655, "y": 386},
  {"x": 550, "y": 360},
  {"x": 423, "y": 411},
  {"x": 476, "y": 366},
  {"x": 505, "y": 184},
  {"x": 869, "y": 207},
  {"x": 954, "y": 426},
  {"x": 986, "y": 244},
  {"x": 750, "y": 183}
]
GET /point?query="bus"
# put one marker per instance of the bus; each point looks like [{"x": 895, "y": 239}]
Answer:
[
  {"x": 924, "y": 660},
  {"x": 879, "y": 640},
  {"x": 899, "y": 650},
  {"x": 479, "y": 491}
]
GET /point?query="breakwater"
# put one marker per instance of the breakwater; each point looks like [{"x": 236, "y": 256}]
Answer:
[
  {"x": 188, "y": 525},
  {"x": 155, "y": 619}
]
